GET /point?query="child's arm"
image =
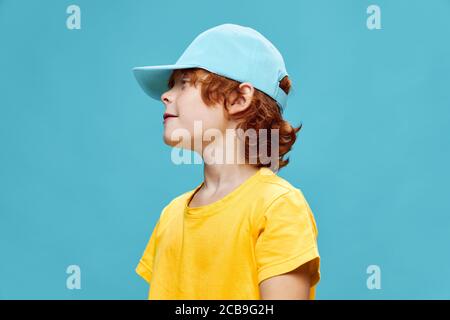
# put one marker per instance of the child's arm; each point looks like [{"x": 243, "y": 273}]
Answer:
[{"x": 293, "y": 285}]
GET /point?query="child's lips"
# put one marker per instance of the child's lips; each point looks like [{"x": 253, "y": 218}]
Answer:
[{"x": 167, "y": 116}]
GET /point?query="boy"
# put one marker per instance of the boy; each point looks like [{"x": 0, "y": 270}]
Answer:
[{"x": 244, "y": 232}]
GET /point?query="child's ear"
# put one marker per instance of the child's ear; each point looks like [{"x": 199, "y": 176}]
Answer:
[{"x": 242, "y": 102}]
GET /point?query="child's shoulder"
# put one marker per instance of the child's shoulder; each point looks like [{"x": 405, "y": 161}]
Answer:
[
  {"x": 274, "y": 181},
  {"x": 279, "y": 198},
  {"x": 273, "y": 186}
]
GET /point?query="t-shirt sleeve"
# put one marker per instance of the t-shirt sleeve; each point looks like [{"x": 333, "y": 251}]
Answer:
[
  {"x": 145, "y": 265},
  {"x": 288, "y": 238}
]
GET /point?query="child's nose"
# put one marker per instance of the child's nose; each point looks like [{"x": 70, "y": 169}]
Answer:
[{"x": 165, "y": 98}]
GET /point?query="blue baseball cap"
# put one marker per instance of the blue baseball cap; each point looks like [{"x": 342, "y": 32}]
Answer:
[{"x": 230, "y": 50}]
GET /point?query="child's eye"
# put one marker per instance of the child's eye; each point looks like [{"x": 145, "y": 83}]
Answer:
[{"x": 184, "y": 82}]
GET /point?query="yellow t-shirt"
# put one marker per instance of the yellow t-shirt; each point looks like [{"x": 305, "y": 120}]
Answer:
[{"x": 223, "y": 250}]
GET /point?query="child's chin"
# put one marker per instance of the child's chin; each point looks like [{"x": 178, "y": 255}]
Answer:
[
  {"x": 169, "y": 141},
  {"x": 181, "y": 139},
  {"x": 174, "y": 143}
]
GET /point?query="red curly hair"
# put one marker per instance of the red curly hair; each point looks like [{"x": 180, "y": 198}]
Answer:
[{"x": 263, "y": 112}]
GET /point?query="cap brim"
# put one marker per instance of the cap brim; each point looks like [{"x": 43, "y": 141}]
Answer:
[{"x": 154, "y": 79}]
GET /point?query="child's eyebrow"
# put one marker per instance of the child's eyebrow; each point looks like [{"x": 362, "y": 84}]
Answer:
[
  {"x": 185, "y": 75},
  {"x": 174, "y": 78},
  {"x": 180, "y": 76}
]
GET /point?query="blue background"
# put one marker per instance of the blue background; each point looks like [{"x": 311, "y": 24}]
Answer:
[{"x": 84, "y": 173}]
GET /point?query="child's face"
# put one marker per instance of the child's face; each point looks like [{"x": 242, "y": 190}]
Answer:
[{"x": 184, "y": 102}]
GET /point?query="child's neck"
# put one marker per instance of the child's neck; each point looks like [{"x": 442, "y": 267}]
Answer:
[
  {"x": 220, "y": 180},
  {"x": 217, "y": 176}
]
